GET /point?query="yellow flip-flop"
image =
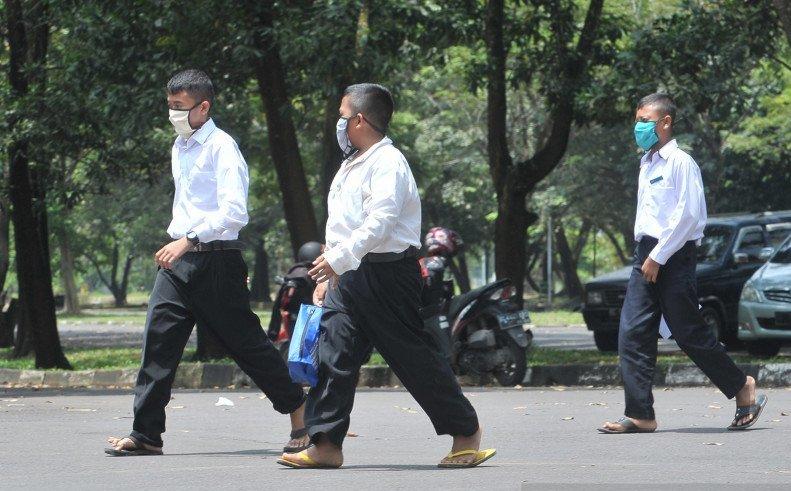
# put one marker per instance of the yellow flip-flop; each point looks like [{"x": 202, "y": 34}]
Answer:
[
  {"x": 481, "y": 456},
  {"x": 305, "y": 462}
]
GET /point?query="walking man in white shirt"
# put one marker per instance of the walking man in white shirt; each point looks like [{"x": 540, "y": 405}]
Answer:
[
  {"x": 671, "y": 215},
  {"x": 202, "y": 276},
  {"x": 369, "y": 283}
]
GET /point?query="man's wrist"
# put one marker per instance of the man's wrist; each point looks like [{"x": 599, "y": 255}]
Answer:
[{"x": 192, "y": 238}]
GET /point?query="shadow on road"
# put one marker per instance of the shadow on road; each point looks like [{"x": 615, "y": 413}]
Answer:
[
  {"x": 706, "y": 430},
  {"x": 257, "y": 451}
]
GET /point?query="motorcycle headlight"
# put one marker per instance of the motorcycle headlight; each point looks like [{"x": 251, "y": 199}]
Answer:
[
  {"x": 750, "y": 294},
  {"x": 595, "y": 298}
]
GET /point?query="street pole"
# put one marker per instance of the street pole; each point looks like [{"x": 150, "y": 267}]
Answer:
[{"x": 549, "y": 262}]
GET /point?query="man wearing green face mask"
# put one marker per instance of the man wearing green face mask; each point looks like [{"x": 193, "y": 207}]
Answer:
[{"x": 671, "y": 216}]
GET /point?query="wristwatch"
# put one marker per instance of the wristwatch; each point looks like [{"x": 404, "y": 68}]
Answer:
[{"x": 192, "y": 237}]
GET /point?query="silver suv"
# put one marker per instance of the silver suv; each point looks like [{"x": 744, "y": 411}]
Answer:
[{"x": 765, "y": 305}]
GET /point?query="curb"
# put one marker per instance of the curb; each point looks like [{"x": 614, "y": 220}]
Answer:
[{"x": 215, "y": 376}]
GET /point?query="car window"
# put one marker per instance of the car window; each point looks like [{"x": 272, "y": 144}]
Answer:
[
  {"x": 751, "y": 242},
  {"x": 714, "y": 245},
  {"x": 777, "y": 233},
  {"x": 783, "y": 255}
]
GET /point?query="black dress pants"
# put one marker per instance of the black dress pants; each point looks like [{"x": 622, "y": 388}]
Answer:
[
  {"x": 210, "y": 288},
  {"x": 675, "y": 296},
  {"x": 378, "y": 305}
]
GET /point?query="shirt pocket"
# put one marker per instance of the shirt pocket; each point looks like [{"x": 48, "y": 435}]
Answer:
[
  {"x": 352, "y": 203},
  {"x": 661, "y": 196},
  {"x": 202, "y": 187}
]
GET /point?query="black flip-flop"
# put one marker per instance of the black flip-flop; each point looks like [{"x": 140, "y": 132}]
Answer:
[
  {"x": 297, "y": 434},
  {"x": 138, "y": 451},
  {"x": 753, "y": 410},
  {"x": 628, "y": 427}
]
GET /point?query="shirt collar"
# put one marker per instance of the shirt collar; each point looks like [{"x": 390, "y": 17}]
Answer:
[
  {"x": 201, "y": 134},
  {"x": 362, "y": 158},
  {"x": 668, "y": 148},
  {"x": 663, "y": 153}
]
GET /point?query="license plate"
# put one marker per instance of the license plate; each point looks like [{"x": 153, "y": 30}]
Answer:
[
  {"x": 783, "y": 319},
  {"x": 513, "y": 319}
]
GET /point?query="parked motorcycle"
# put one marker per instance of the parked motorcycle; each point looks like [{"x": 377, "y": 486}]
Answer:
[
  {"x": 481, "y": 331},
  {"x": 296, "y": 288}
]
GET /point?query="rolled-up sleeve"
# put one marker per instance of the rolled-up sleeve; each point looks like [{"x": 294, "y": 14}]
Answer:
[
  {"x": 232, "y": 185},
  {"x": 389, "y": 183},
  {"x": 686, "y": 215}
]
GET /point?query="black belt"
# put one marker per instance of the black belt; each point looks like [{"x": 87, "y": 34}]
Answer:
[
  {"x": 218, "y": 245},
  {"x": 389, "y": 257}
]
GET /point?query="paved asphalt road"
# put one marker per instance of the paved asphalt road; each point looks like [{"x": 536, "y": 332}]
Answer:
[{"x": 54, "y": 440}]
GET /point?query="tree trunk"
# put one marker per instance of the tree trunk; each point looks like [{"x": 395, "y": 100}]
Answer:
[
  {"x": 571, "y": 279},
  {"x": 330, "y": 151},
  {"x": 23, "y": 341},
  {"x": 513, "y": 182},
  {"x": 617, "y": 246},
  {"x": 259, "y": 285},
  {"x": 33, "y": 270},
  {"x": 784, "y": 13},
  {"x": 284, "y": 148},
  {"x": 458, "y": 267},
  {"x": 509, "y": 244},
  {"x": 67, "y": 273},
  {"x": 5, "y": 250}
]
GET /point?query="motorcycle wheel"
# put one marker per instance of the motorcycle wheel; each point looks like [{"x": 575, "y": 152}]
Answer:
[{"x": 516, "y": 367}]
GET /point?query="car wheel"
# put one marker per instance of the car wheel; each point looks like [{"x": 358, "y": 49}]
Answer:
[
  {"x": 765, "y": 348},
  {"x": 712, "y": 320},
  {"x": 606, "y": 341}
]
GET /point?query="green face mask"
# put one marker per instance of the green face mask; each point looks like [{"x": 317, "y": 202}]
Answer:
[{"x": 645, "y": 134}]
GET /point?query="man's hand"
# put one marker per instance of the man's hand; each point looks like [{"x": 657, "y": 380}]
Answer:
[
  {"x": 322, "y": 271},
  {"x": 168, "y": 255},
  {"x": 319, "y": 293},
  {"x": 650, "y": 270}
]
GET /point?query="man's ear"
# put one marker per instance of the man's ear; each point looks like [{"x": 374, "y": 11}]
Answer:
[
  {"x": 205, "y": 107},
  {"x": 668, "y": 121}
]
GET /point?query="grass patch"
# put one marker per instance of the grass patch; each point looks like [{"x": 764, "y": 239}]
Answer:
[
  {"x": 87, "y": 359},
  {"x": 131, "y": 315},
  {"x": 114, "y": 358},
  {"x": 556, "y": 318}
]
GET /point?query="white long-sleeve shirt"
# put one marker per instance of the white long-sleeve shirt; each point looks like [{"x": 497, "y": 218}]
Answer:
[
  {"x": 671, "y": 206},
  {"x": 373, "y": 206},
  {"x": 211, "y": 186}
]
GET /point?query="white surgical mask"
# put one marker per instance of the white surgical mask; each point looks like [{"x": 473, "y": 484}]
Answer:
[
  {"x": 180, "y": 118},
  {"x": 347, "y": 149}
]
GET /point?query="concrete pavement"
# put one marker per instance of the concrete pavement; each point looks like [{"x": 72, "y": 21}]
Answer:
[{"x": 53, "y": 439}]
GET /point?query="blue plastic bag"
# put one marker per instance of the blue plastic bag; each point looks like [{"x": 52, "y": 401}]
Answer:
[{"x": 303, "y": 362}]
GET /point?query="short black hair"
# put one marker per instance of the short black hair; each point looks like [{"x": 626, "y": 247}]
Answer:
[
  {"x": 663, "y": 102},
  {"x": 374, "y": 101},
  {"x": 194, "y": 82}
]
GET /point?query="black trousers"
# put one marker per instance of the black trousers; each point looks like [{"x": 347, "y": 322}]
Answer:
[
  {"x": 378, "y": 305},
  {"x": 675, "y": 296},
  {"x": 210, "y": 288}
]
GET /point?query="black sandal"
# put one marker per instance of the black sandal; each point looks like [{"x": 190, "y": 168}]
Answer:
[
  {"x": 138, "y": 451},
  {"x": 753, "y": 410},
  {"x": 628, "y": 427},
  {"x": 297, "y": 434}
]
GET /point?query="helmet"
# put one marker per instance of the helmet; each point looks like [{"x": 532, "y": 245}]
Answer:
[
  {"x": 440, "y": 241},
  {"x": 309, "y": 252}
]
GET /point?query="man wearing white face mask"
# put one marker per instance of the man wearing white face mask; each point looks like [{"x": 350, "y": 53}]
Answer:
[
  {"x": 202, "y": 276},
  {"x": 369, "y": 284}
]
